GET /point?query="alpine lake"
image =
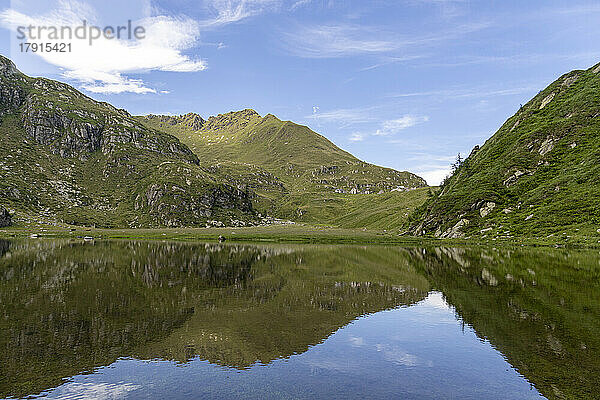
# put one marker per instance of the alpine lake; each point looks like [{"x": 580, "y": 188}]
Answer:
[{"x": 172, "y": 320}]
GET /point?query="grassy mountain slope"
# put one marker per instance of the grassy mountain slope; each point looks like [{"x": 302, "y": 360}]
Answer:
[
  {"x": 297, "y": 173},
  {"x": 537, "y": 176},
  {"x": 67, "y": 158}
]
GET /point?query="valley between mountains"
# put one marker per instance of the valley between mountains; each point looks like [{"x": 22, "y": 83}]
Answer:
[{"x": 67, "y": 160}]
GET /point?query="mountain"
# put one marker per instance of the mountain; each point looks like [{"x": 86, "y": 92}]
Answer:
[
  {"x": 537, "y": 176},
  {"x": 66, "y": 158},
  {"x": 297, "y": 173}
]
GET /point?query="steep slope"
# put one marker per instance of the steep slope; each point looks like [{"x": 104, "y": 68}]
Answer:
[
  {"x": 297, "y": 173},
  {"x": 537, "y": 176},
  {"x": 67, "y": 158}
]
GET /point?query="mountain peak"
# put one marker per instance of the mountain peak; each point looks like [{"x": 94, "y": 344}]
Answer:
[
  {"x": 7, "y": 67},
  {"x": 190, "y": 120},
  {"x": 232, "y": 119}
]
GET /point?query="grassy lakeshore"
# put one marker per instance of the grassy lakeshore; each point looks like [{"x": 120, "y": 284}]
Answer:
[{"x": 294, "y": 233}]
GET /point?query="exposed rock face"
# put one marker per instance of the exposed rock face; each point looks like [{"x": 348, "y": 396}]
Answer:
[
  {"x": 456, "y": 231},
  {"x": 78, "y": 133},
  {"x": 5, "y": 218},
  {"x": 11, "y": 93},
  {"x": 487, "y": 208},
  {"x": 79, "y": 161},
  {"x": 231, "y": 120},
  {"x": 72, "y": 124},
  {"x": 173, "y": 205}
]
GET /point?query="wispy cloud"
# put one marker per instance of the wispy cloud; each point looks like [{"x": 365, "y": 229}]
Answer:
[
  {"x": 300, "y": 3},
  {"x": 103, "y": 66},
  {"x": 328, "y": 41},
  {"x": 393, "y": 126},
  {"x": 343, "y": 40},
  {"x": 391, "y": 60},
  {"x": 230, "y": 11},
  {"x": 390, "y": 127},
  {"x": 356, "y": 137},
  {"x": 475, "y": 92},
  {"x": 344, "y": 116}
]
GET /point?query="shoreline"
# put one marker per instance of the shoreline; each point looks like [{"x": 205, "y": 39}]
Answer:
[{"x": 298, "y": 234}]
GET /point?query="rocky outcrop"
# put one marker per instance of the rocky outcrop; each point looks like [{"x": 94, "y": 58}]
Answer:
[
  {"x": 11, "y": 92},
  {"x": 535, "y": 176},
  {"x": 81, "y": 132},
  {"x": 231, "y": 120},
  {"x": 79, "y": 161},
  {"x": 190, "y": 120},
  {"x": 5, "y": 218},
  {"x": 486, "y": 209},
  {"x": 173, "y": 205},
  {"x": 73, "y": 125},
  {"x": 455, "y": 232}
]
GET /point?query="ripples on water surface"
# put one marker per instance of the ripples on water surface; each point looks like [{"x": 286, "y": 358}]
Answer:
[{"x": 112, "y": 320}]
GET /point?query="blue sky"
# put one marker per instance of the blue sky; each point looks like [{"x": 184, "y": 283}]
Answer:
[{"x": 406, "y": 84}]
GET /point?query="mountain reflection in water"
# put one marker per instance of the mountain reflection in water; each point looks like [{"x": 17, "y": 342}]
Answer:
[{"x": 69, "y": 307}]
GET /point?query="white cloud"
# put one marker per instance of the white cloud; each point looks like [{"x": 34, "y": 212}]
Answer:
[
  {"x": 96, "y": 391},
  {"x": 435, "y": 300},
  {"x": 100, "y": 67},
  {"x": 397, "y": 355},
  {"x": 356, "y": 116},
  {"x": 356, "y": 137},
  {"x": 435, "y": 176},
  {"x": 300, "y": 3},
  {"x": 391, "y": 127},
  {"x": 356, "y": 341}
]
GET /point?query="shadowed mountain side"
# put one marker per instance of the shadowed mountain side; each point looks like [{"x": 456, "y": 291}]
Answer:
[{"x": 66, "y": 158}]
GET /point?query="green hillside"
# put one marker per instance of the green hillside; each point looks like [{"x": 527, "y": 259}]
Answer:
[
  {"x": 537, "y": 176},
  {"x": 297, "y": 173},
  {"x": 66, "y": 158}
]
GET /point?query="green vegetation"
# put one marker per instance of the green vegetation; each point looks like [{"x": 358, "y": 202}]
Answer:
[
  {"x": 72, "y": 161},
  {"x": 68, "y": 160},
  {"x": 536, "y": 177},
  {"x": 70, "y": 306},
  {"x": 297, "y": 174}
]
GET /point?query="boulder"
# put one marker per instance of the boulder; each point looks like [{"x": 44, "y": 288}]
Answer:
[
  {"x": 5, "y": 218},
  {"x": 455, "y": 231},
  {"x": 486, "y": 209}
]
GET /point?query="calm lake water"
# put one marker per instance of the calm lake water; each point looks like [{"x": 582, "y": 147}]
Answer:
[{"x": 138, "y": 320}]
